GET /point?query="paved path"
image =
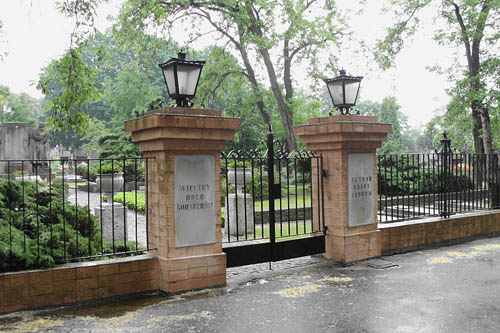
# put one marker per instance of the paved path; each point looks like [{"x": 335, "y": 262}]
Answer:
[
  {"x": 450, "y": 289},
  {"x": 82, "y": 197}
]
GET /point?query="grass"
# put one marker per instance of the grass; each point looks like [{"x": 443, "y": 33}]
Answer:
[
  {"x": 282, "y": 232},
  {"x": 301, "y": 202}
]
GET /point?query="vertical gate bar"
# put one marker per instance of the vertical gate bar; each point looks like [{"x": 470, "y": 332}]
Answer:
[
  {"x": 10, "y": 213},
  {"x": 322, "y": 197},
  {"x": 288, "y": 193},
  {"x": 135, "y": 203},
  {"x": 281, "y": 204},
  {"x": 37, "y": 210},
  {"x": 76, "y": 210},
  {"x": 253, "y": 197},
  {"x": 270, "y": 174},
  {"x": 296, "y": 194},
  {"x": 405, "y": 157},
  {"x": 146, "y": 189},
  {"x": 380, "y": 193},
  {"x": 318, "y": 185},
  {"x": 113, "y": 203},
  {"x": 24, "y": 203},
  {"x": 303, "y": 193},
  {"x": 50, "y": 208},
  {"x": 227, "y": 217},
  {"x": 100, "y": 204},
  {"x": 434, "y": 155},
  {"x": 88, "y": 206},
  {"x": 311, "y": 195},
  {"x": 379, "y": 210},
  {"x": 397, "y": 185},
  {"x": 245, "y": 199},
  {"x": 236, "y": 209},
  {"x": 124, "y": 209},
  {"x": 261, "y": 169},
  {"x": 391, "y": 186},
  {"x": 476, "y": 176},
  {"x": 467, "y": 203},
  {"x": 417, "y": 191},
  {"x": 64, "y": 208}
]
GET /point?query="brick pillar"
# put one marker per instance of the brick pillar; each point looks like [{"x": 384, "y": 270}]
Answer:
[
  {"x": 190, "y": 257},
  {"x": 348, "y": 145}
]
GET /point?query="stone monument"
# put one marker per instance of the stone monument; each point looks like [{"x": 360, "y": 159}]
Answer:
[{"x": 20, "y": 142}]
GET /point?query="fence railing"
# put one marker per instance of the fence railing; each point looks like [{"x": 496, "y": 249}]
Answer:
[
  {"x": 254, "y": 208},
  {"x": 56, "y": 211},
  {"x": 440, "y": 184}
]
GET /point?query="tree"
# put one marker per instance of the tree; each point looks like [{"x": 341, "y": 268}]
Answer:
[
  {"x": 469, "y": 24},
  {"x": 388, "y": 112},
  {"x": 270, "y": 35},
  {"x": 19, "y": 107}
]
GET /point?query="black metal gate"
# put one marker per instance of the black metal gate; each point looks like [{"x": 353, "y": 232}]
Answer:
[{"x": 273, "y": 204}]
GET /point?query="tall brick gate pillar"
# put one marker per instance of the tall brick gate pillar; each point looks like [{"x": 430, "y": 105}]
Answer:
[
  {"x": 184, "y": 193},
  {"x": 348, "y": 145}
]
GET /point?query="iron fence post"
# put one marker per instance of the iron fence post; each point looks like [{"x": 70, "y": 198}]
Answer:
[
  {"x": 271, "y": 189},
  {"x": 445, "y": 155}
]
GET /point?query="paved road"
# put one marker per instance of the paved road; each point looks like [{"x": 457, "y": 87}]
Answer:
[{"x": 450, "y": 289}]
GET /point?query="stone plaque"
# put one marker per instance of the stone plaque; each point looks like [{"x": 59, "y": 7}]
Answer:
[
  {"x": 361, "y": 195},
  {"x": 194, "y": 182}
]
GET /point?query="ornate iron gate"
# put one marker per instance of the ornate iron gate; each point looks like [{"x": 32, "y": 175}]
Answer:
[{"x": 273, "y": 204}]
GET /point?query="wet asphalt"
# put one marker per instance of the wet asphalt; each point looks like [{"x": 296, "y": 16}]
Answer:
[{"x": 448, "y": 289}]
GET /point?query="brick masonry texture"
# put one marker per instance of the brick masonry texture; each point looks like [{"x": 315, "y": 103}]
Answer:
[
  {"x": 402, "y": 236},
  {"x": 77, "y": 282}
]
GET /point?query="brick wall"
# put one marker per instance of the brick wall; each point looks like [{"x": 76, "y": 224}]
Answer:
[
  {"x": 78, "y": 282},
  {"x": 418, "y": 233}
]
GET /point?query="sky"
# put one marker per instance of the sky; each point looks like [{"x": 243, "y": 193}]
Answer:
[{"x": 35, "y": 34}]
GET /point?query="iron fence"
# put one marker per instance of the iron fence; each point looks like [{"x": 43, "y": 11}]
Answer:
[
  {"x": 56, "y": 211},
  {"x": 272, "y": 194},
  {"x": 439, "y": 184}
]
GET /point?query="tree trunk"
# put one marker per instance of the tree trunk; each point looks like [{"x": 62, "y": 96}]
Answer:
[
  {"x": 476, "y": 132},
  {"x": 283, "y": 108}
]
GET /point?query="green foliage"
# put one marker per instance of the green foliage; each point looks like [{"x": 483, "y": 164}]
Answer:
[
  {"x": 69, "y": 82},
  {"x": 399, "y": 175},
  {"x": 19, "y": 107},
  {"x": 388, "y": 112},
  {"x": 107, "y": 168},
  {"x": 38, "y": 228},
  {"x": 132, "y": 201}
]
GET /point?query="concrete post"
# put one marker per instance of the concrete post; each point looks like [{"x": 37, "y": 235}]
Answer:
[
  {"x": 177, "y": 135},
  {"x": 348, "y": 145}
]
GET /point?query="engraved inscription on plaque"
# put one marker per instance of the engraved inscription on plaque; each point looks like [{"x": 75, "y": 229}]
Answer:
[
  {"x": 361, "y": 194},
  {"x": 194, "y": 201}
]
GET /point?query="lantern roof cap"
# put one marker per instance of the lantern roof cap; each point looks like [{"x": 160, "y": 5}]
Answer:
[
  {"x": 343, "y": 77},
  {"x": 181, "y": 60}
]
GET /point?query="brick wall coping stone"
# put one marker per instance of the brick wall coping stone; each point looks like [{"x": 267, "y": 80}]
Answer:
[
  {"x": 204, "y": 119},
  {"x": 86, "y": 264},
  {"x": 436, "y": 219}
]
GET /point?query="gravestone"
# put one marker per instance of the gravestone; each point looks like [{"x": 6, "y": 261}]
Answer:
[{"x": 20, "y": 142}]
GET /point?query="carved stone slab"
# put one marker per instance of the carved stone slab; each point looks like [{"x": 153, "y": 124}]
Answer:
[
  {"x": 361, "y": 194},
  {"x": 194, "y": 181}
]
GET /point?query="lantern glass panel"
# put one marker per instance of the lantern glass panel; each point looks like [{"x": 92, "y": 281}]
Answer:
[
  {"x": 188, "y": 78},
  {"x": 168, "y": 73},
  {"x": 335, "y": 89},
  {"x": 351, "y": 91}
]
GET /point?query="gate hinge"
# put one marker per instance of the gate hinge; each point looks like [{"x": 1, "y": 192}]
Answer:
[{"x": 324, "y": 174}]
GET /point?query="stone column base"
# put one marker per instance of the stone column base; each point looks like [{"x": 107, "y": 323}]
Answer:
[
  {"x": 353, "y": 247},
  {"x": 186, "y": 273}
]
